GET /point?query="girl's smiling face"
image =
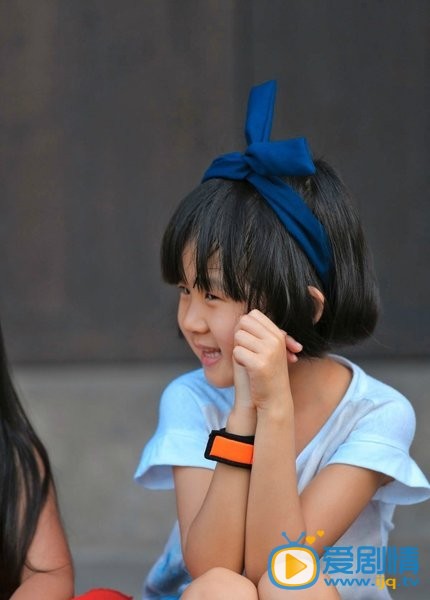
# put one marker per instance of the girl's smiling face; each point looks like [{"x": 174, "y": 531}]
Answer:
[{"x": 207, "y": 319}]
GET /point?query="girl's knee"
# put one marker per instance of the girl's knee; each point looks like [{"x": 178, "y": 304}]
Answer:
[
  {"x": 269, "y": 591},
  {"x": 220, "y": 584}
]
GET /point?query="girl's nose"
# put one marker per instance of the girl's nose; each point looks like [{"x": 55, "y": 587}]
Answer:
[{"x": 193, "y": 319}]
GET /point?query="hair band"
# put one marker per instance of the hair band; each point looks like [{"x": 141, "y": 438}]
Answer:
[{"x": 264, "y": 163}]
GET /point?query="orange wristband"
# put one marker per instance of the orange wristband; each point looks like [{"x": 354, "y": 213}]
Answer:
[{"x": 230, "y": 449}]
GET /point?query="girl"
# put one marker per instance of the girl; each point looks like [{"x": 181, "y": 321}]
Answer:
[
  {"x": 273, "y": 434},
  {"x": 35, "y": 561}
]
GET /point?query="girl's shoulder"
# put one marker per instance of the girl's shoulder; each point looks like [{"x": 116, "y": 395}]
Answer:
[
  {"x": 189, "y": 409},
  {"x": 376, "y": 410},
  {"x": 193, "y": 388},
  {"x": 365, "y": 387},
  {"x": 374, "y": 429}
]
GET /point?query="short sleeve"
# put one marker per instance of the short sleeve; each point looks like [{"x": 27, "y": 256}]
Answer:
[
  {"x": 180, "y": 438},
  {"x": 380, "y": 441}
]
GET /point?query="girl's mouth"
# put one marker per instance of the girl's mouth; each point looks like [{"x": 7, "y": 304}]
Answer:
[{"x": 210, "y": 356}]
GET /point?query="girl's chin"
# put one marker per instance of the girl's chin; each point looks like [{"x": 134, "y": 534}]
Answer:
[{"x": 219, "y": 380}]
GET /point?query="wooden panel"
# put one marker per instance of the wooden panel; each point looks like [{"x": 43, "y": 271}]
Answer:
[
  {"x": 112, "y": 110},
  {"x": 353, "y": 78}
]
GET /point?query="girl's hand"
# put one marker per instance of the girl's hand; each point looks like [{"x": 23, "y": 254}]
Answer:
[{"x": 264, "y": 351}]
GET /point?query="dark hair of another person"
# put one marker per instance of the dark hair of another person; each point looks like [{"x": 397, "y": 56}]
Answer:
[
  {"x": 262, "y": 265},
  {"x": 25, "y": 478}
]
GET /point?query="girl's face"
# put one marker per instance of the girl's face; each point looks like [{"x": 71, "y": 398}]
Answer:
[{"x": 207, "y": 321}]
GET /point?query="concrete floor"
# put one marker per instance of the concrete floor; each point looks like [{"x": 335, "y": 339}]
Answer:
[{"x": 95, "y": 421}]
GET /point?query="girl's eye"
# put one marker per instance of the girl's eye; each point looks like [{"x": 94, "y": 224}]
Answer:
[
  {"x": 209, "y": 296},
  {"x": 183, "y": 290}
]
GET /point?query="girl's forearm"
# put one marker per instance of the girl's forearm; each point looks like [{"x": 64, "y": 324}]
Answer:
[
  {"x": 273, "y": 499},
  {"x": 217, "y": 535}
]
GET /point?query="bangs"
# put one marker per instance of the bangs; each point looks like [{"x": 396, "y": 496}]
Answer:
[
  {"x": 214, "y": 221},
  {"x": 230, "y": 228}
]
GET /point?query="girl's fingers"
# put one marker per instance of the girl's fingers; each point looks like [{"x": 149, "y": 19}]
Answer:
[
  {"x": 248, "y": 340},
  {"x": 255, "y": 327},
  {"x": 291, "y": 357},
  {"x": 293, "y": 347},
  {"x": 257, "y": 324},
  {"x": 244, "y": 357},
  {"x": 260, "y": 317},
  {"x": 292, "y": 344},
  {"x": 253, "y": 344}
]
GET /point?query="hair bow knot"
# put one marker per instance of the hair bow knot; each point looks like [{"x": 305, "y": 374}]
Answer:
[
  {"x": 264, "y": 163},
  {"x": 279, "y": 159}
]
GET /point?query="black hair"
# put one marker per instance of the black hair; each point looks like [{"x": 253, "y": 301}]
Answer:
[
  {"x": 262, "y": 265},
  {"x": 25, "y": 479}
]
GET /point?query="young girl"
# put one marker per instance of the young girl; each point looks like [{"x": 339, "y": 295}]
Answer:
[
  {"x": 273, "y": 434},
  {"x": 35, "y": 561}
]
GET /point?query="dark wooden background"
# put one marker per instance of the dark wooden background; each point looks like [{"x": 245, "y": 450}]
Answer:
[{"x": 110, "y": 110}]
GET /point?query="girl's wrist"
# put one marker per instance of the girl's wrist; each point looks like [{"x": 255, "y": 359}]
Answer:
[
  {"x": 242, "y": 421},
  {"x": 276, "y": 412}
]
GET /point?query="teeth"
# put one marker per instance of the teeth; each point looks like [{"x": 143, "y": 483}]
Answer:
[{"x": 212, "y": 354}]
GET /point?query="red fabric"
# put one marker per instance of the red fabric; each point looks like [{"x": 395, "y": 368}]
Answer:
[{"x": 103, "y": 594}]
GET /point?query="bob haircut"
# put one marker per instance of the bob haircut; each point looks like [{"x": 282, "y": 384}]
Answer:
[{"x": 262, "y": 265}]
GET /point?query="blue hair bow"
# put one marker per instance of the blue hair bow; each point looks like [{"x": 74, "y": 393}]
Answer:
[{"x": 264, "y": 163}]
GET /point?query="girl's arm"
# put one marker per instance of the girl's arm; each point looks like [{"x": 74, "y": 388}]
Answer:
[
  {"x": 211, "y": 512},
  {"x": 331, "y": 502},
  {"x": 50, "y": 556},
  {"x": 335, "y": 497},
  {"x": 211, "y": 505}
]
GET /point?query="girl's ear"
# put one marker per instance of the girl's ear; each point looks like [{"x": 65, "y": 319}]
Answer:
[{"x": 318, "y": 298}]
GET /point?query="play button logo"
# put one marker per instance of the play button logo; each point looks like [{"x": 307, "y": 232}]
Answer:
[{"x": 293, "y": 566}]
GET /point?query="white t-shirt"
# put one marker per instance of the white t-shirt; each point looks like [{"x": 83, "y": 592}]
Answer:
[{"x": 372, "y": 427}]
